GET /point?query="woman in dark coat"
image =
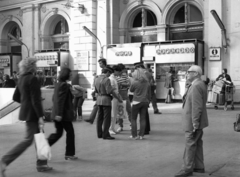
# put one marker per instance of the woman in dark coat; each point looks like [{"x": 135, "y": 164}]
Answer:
[
  {"x": 28, "y": 94},
  {"x": 63, "y": 113}
]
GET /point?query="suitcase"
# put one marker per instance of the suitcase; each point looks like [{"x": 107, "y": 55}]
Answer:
[
  {"x": 236, "y": 125},
  {"x": 214, "y": 98},
  {"x": 221, "y": 99}
]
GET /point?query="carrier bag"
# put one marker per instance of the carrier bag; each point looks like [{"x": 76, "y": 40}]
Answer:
[
  {"x": 42, "y": 146},
  {"x": 236, "y": 125},
  {"x": 215, "y": 98},
  {"x": 210, "y": 97}
]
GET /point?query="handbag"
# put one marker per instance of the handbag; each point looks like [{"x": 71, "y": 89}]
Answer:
[
  {"x": 42, "y": 146},
  {"x": 236, "y": 125}
]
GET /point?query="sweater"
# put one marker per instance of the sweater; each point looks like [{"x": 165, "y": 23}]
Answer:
[{"x": 141, "y": 91}]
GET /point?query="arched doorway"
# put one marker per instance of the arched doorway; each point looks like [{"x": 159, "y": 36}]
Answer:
[
  {"x": 9, "y": 45},
  {"x": 142, "y": 26},
  {"x": 185, "y": 21},
  {"x": 55, "y": 33}
]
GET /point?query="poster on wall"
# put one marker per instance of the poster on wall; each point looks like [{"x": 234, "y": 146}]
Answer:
[{"x": 82, "y": 61}]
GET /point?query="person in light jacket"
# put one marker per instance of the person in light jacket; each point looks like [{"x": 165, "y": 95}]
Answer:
[
  {"x": 79, "y": 94},
  {"x": 28, "y": 94}
]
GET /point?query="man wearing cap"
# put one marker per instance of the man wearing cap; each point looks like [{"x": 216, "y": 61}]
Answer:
[
  {"x": 194, "y": 120},
  {"x": 104, "y": 101},
  {"x": 102, "y": 64},
  {"x": 153, "y": 94}
]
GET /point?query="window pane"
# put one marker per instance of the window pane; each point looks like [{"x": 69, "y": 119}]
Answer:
[
  {"x": 195, "y": 14},
  {"x": 61, "y": 27},
  {"x": 151, "y": 19},
  {"x": 138, "y": 20},
  {"x": 188, "y": 35},
  {"x": 180, "y": 16}
]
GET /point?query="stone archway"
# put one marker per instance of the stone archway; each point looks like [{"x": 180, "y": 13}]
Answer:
[{"x": 5, "y": 28}]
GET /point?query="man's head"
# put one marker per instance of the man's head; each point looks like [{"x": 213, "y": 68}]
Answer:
[
  {"x": 123, "y": 68},
  {"x": 102, "y": 63},
  {"x": 194, "y": 72},
  {"x": 116, "y": 70},
  {"x": 107, "y": 71},
  {"x": 224, "y": 71},
  {"x": 138, "y": 65}
]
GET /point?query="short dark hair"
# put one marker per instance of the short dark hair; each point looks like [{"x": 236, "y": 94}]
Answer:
[
  {"x": 64, "y": 74},
  {"x": 225, "y": 70},
  {"x": 7, "y": 76},
  {"x": 122, "y": 66},
  {"x": 116, "y": 68},
  {"x": 103, "y": 60},
  {"x": 107, "y": 69}
]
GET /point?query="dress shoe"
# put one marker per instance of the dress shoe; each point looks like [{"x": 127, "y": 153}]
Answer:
[
  {"x": 183, "y": 173},
  {"x": 199, "y": 170},
  {"x": 109, "y": 138},
  {"x": 71, "y": 157},
  {"x": 44, "y": 168},
  {"x": 2, "y": 169},
  {"x": 146, "y": 133},
  {"x": 89, "y": 121},
  {"x": 157, "y": 112}
]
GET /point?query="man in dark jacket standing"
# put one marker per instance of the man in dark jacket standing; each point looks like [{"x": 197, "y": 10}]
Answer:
[{"x": 104, "y": 101}]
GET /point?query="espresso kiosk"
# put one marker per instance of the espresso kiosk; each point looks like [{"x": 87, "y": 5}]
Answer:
[{"x": 9, "y": 62}]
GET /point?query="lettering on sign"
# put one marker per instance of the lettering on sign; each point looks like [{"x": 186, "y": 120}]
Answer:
[
  {"x": 123, "y": 53},
  {"x": 175, "y": 51},
  {"x": 4, "y": 60}
]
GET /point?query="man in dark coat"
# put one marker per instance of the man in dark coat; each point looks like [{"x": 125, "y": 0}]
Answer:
[{"x": 8, "y": 83}]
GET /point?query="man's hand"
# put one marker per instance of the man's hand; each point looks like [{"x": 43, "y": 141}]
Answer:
[
  {"x": 41, "y": 123},
  {"x": 194, "y": 132},
  {"x": 58, "y": 118}
]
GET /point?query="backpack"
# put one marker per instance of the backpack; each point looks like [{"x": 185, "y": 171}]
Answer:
[{"x": 236, "y": 125}]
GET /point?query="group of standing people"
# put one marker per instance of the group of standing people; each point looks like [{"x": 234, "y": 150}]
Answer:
[
  {"x": 8, "y": 82},
  {"x": 112, "y": 88}
]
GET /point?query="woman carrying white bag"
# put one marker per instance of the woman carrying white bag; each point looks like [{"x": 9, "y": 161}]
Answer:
[{"x": 28, "y": 94}]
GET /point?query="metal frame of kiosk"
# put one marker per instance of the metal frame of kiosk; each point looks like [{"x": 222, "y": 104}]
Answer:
[
  {"x": 9, "y": 62},
  {"x": 50, "y": 63},
  {"x": 176, "y": 55}
]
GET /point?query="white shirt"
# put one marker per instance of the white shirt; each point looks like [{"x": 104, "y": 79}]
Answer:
[{"x": 114, "y": 83}]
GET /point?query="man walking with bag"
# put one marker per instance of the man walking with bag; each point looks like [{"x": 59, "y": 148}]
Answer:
[{"x": 194, "y": 120}]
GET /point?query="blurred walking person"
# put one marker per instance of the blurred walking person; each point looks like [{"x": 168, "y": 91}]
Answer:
[
  {"x": 63, "y": 113},
  {"x": 28, "y": 94}
]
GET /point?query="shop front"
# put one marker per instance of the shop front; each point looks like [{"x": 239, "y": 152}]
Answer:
[
  {"x": 9, "y": 63},
  {"x": 174, "y": 56}
]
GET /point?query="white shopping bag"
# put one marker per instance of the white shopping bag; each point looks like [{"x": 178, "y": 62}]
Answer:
[
  {"x": 122, "y": 113},
  {"x": 42, "y": 146}
]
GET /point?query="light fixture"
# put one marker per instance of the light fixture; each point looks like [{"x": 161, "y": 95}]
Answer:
[
  {"x": 222, "y": 27},
  {"x": 81, "y": 7},
  {"x": 18, "y": 41},
  {"x": 94, "y": 36}
]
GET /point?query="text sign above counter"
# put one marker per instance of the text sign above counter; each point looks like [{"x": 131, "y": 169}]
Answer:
[
  {"x": 125, "y": 55},
  {"x": 4, "y": 61},
  {"x": 175, "y": 53},
  {"x": 46, "y": 59}
]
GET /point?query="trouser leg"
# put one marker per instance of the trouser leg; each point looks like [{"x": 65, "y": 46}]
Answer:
[
  {"x": 100, "y": 121},
  {"x": 199, "y": 159},
  {"x": 129, "y": 109},
  {"x": 147, "y": 129},
  {"x": 31, "y": 129},
  {"x": 143, "y": 111},
  {"x": 70, "y": 138},
  {"x": 93, "y": 113},
  {"x": 106, "y": 121},
  {"x": 80, "y": 103},
  {"x": 54, "y": 137},
  {"x": 114, "y": 114},
  {"x": 190, "y": 149},
  {"x": 135, "y": 111},
  {"x": 154, "y": 102}
]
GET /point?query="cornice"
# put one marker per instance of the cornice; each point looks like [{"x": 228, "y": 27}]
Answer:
[{"x": 19, "y": 5}]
